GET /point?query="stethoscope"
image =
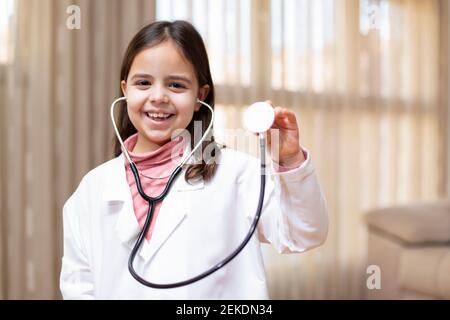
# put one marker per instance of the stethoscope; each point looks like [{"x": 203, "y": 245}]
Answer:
[{"x": 258, "y": 118}]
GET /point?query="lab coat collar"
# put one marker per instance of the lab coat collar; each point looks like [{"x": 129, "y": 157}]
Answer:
[
  {"x": 117, "y": 192},
  {"x": 117, "y": 189}
]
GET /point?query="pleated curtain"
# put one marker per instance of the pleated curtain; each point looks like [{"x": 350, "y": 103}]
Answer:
[
  {"x": 367, "y": 79},
  {"x": 56, "y": 93}
]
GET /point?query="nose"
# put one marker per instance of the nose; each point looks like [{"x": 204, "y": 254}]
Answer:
[{"x": 158, "y": 95}]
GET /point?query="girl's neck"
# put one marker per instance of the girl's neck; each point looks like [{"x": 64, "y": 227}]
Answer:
[{"x": 144, "y": 145}]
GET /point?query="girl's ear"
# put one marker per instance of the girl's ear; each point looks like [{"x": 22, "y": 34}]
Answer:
[
  {"x": 202, "y": 94},
  {"x": 123, "y": 86}
]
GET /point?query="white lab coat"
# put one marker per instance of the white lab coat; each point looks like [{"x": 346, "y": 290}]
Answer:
[{"x": 198, "y": 225}]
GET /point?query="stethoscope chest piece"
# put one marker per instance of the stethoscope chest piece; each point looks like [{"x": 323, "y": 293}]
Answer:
[{"x": 259, "y": 117}]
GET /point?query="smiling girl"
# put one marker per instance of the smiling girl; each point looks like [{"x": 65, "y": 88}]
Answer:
[{"x": 209, "y": 209}]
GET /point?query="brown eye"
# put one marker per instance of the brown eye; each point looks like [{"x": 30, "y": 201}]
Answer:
[
  {"x": 177, "y": 85},
  {"x": 143, "y": 83}
]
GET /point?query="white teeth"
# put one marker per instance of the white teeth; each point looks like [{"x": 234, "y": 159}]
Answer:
[{"x": 158, "y": 115}]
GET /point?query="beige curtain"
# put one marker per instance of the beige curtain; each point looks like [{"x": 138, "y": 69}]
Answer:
[
  {"x": 56, "y": 92},
  {"x": 364, "y": 78},
  {"x": 367, "y": 95},
  {"x": 365, "y": 85},
  {"x": 365, "y": 81}
]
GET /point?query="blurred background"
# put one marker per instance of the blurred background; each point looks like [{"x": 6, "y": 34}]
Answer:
[{"x": 368, "y": 80}]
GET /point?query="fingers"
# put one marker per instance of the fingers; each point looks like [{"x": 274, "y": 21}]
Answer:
[
  {"x": 290, "y": 115},
  {"x": 283, "y": 112},
  {"x": 283, "y": 116},
  {"x": 279, "y": 111}
]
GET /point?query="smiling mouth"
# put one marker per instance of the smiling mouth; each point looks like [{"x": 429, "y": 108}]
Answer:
[{"x": 159, "y": 117}]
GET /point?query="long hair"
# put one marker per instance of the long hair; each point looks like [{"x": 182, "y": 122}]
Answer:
[{"x": 190, "y": 44}]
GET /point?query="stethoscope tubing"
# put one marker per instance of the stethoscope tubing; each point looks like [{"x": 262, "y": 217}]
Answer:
[
  {"x": 149, "y": 218},
  {"x": 153, "y": 200}
]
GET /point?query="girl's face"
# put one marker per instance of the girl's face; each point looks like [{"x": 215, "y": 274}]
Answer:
[{"x": 161, "y": 91}]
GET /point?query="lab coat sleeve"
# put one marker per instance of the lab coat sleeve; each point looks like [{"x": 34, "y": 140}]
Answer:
[
  {"x": 294, "y": 216},
  {"x": 76, "y": 279}
]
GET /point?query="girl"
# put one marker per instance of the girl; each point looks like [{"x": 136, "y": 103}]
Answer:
[{"x": 210, "y": 206}]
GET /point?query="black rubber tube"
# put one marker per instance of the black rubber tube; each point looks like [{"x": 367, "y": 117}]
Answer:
[{"x": 152, "y": 201}]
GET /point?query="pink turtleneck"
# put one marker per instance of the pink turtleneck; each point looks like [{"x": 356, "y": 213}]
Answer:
[{"x": 158, "y": 163}]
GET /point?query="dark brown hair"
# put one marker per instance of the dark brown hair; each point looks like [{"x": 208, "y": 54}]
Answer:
[{"x": 191, "y": 46}]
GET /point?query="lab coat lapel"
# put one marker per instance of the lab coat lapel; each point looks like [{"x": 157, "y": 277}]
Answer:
[
  {"x": 172, "y": 212},
  {"x": 117, "y": 196},
  {"x": 169, "y": 218}
]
